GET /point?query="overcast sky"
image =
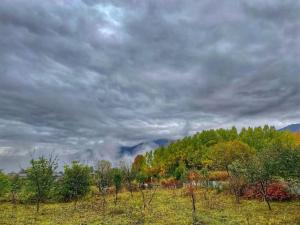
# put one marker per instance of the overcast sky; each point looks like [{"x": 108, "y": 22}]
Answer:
[{"x": 77, "y": 75}]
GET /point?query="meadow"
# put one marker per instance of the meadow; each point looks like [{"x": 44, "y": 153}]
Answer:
[{"x": 168, "y": 207}]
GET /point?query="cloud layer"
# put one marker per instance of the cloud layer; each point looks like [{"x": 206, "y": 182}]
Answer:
[{"x": 77, "y": 75}]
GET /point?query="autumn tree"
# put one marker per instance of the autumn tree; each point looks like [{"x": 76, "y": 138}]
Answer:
[
  {"x": 224, "y": 153},
  {"x": 139, "y": 164}
]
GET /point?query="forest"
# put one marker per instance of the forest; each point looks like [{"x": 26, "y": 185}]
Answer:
[{"x": 221, "y": 176}]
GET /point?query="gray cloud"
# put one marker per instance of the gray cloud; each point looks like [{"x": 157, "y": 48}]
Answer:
[{"x": 77, "y": 75}]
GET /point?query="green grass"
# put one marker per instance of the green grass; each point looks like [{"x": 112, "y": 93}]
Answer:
[{"x": 167, "y": 208}]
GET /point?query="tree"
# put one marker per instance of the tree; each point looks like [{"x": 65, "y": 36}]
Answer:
[
  {"x": 260, "y": 170},
  {"x": 190, "y": 190},
  {"x": 103, "y": 177},
  {"x": 237, "y": 179},
  {"x": 128, "y": 175},
  {"x": 76, "y": 181},
  {"x": 15, "y": 187},
  {"x": 41, "y": 178},
  {"x": 139, "y": 163},
  {"x": 288, "y": 165},
  {"x": 141, "y": 177},
  {"x": 204, "y": 178},
  {"x": 4, "y": 184},
  {"x": 224, "y": 153},
  {"x": 181, "y": 172},
  {"x": 117, "y": 181}
]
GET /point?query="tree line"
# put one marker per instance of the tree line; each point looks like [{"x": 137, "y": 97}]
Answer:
[{"x": 254, "y": 156}]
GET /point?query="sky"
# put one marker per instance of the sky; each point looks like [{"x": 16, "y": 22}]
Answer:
[{"x": 81, "y": 76}]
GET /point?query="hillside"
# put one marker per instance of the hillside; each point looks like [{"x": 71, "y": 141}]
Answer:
[
  {"x": 292, "y": 127},
  {"x": 143, "y": 147}
]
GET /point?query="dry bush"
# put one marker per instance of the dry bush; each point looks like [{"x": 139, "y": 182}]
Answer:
[
  {"x": 171, "y": 183},
  {"x": 218, "y": 176}
]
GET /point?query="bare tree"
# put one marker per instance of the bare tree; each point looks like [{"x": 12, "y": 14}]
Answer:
[
  {"x": 103, "y": 177},
  {"x": 128, "y": 176}
]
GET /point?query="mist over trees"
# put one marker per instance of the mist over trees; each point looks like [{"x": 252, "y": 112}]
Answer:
[{"x": 249, "y": 163}]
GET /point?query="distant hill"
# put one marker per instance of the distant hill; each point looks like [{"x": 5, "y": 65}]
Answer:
[
  {"x": 143, "y": 147},
  {"x": 292, "y": 127}
]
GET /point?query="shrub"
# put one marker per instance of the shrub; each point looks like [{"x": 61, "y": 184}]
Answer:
[
  {"x": 193, "y": 175},
  {"x": 76, "y": 182},
  {"x": 4, "y": 184},
  {"x": 275, "y": 192},
  {"x": 218, "y": 176},
  {"x": 171, "y": 183}
]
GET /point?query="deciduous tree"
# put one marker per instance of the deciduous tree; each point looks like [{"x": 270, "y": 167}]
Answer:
[
  {"x": 41, "y": 178},
  {"x": 76, "y": 181}
]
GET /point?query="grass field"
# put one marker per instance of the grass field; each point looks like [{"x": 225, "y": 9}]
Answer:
[{"x": 167, "y": 208}]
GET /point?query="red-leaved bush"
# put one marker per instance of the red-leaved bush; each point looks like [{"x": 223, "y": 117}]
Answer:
[{"x": 275, "y": 192}]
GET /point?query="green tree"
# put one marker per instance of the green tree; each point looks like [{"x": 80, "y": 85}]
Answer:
[
  {"x": 76, "y": 181},
  {"x": 40, "y": 176},
  {"x": 181, "y": 172},
  {"x": 4, "y": 184},
  {"x": 260, "y": 170},
  {"x": 288, "y": 166},
  {"x": 117, "y": 181}
]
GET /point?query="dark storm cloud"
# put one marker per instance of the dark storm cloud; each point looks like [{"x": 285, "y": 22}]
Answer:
[{"x": 77, "y": 75}]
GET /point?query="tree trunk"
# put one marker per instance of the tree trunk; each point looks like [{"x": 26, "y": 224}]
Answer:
[
  {"x": 264, "y": 192},
  {"x": 193, "y": 203},
  {"x": 38, "y": 205},
  {"x": 14, "y": 199},
  {"x": 130, "y": 189},
  {"x": 194, "y": 207},
  {"x": 116, "y": 197},
  {"x": 143, "y": 198},
  {"x": 237, "y": 198},
  {"x": 268, "y": 202}
]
